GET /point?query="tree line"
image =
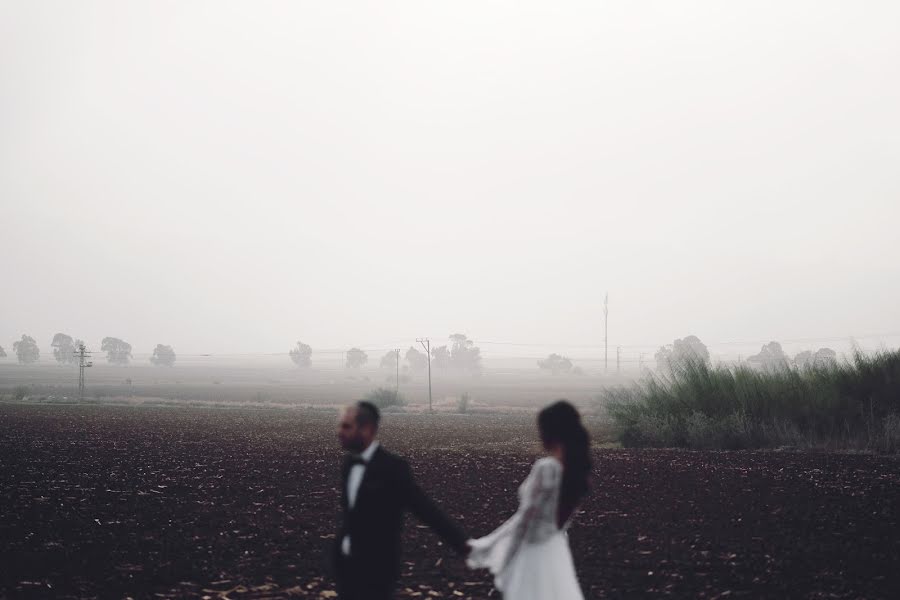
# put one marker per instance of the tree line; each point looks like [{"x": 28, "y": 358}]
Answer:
[
  {"x": 770, "y": 356},
  {"x": 65, "y": 350},
  {"x": 461, "y": 355}
]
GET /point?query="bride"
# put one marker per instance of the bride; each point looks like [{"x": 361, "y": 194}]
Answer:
[{"x": 529, "y": 554}]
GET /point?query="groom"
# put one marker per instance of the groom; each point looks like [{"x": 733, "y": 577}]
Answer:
[{"x": 377, "y": 488}]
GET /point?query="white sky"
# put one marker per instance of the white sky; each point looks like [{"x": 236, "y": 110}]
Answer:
[{"x": 234, "y": 176}]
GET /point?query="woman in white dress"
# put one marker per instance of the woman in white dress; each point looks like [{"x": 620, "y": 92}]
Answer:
[{"x": 529, "y": 554}]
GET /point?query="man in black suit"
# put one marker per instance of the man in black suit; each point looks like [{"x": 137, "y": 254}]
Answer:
[{"x": 377, "y": 488}]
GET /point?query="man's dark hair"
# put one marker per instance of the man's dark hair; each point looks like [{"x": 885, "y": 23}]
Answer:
[{"x": 367, "y": 414}]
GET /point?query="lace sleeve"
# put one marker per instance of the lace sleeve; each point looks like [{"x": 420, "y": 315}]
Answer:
[
  {"x": 537, "y": 507},
  {"x": 533, "y": 522}
]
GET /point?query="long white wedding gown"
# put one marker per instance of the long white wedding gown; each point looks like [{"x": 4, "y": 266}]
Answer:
[{"x": 529, "y": 555}]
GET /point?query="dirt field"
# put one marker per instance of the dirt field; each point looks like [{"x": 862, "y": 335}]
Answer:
[{"x": 163, "y": 502}]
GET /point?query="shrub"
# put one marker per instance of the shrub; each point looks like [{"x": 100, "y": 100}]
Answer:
[
  {"x": 384, "y": 397},
  {"x": 462, "y": 405},
  {"x": 556, "y": 364}
]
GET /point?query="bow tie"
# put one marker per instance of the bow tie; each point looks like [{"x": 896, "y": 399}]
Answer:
[{"x": 356, "y": 460}]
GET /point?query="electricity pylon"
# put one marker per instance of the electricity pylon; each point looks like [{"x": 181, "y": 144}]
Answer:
[
  {"x": 82, "y": 365},
  {"x": 397, "y": 351},
  {"x": 426, "y": 343},
  {"x": 606, "y": 333}
]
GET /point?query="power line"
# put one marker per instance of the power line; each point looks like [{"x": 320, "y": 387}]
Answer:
[
  {"x": 557, "y": 345},
  {"x": 708, "y": 344}
]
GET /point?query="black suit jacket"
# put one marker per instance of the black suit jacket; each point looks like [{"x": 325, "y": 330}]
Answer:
[{"x": 375, "y": 522}]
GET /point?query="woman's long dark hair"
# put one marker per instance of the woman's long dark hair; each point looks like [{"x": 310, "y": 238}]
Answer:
[{"x": 560, "y": 423}]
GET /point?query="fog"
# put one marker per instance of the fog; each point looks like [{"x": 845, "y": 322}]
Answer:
[{"x": 233, "y": 177}]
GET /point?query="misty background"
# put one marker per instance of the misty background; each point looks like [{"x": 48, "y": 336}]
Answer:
[{"x": 231, "y": 177}]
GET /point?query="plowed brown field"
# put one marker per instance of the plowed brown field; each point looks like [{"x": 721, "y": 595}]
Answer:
[{"x": 155, "y": 502}]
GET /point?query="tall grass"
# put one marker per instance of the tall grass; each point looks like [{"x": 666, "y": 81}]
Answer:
[{"x": 850, "y": 404}]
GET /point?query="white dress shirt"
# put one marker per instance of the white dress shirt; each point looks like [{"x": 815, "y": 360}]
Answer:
[{"x": 354, "y": 479}]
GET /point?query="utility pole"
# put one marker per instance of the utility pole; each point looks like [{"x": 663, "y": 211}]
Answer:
[
  {"x": 618, "y": 358},
  {"x": 81, "y": 353},
  {"x": 397, "y": 350},
  {"x": 641, "y": 363},
  {"x": 606, "y": 333},
  {"x": 426, "y": 343}
]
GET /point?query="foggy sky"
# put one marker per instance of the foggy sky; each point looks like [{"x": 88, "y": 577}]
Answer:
[{"x": 235, "y": 176}]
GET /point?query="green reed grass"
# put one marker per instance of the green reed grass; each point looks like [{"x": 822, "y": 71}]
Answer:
[{"x": 854, "y": 404}]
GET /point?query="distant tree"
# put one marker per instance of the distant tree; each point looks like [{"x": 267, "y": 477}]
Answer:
[
  {"x": 820, "y": 358},
  {"x": 356, "y": 358},
  {"x": 464, "y": 355},
  {"x": 118, "y": 352},
  {"x": 690, "y": 348},
  {"x": 825, "y": 356},
  {"x": 440, "y": 357},
  {"x": 163, "y": 356},
  {"x": 26, "y": 350},
  {"x": 680, "y": 352},
  {"x": 301, "y": 355},
  {"x": 63, "y": 349},
  {"x": 389, "y": 360},
  {"x": 556, "y": 364},
  {"x": 804, "y": 359},
  {"x": 663, "y": 358},
  {"x": 418, "y": 362},
  {"x": 770, "y": 356},
  {"x": 2, "y": 352}
]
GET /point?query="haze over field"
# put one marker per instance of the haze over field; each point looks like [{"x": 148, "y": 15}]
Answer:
[{"x": 232, "y": 177}]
